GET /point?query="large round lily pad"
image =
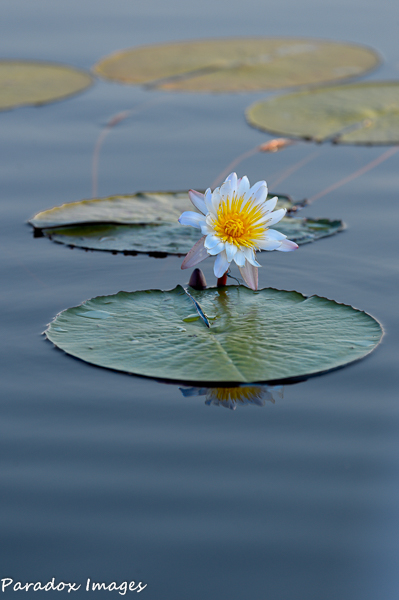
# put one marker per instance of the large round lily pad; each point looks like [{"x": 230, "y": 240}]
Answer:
[
  {"x": 360, "y": 113},
  {"x": 147, "y": 222},
  {"x": 237, "y": 64},
  {"x": 26, "y": 83},
  {"x": 269, "y": 335}
]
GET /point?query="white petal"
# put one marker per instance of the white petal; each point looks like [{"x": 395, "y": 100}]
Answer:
[
  {"x": 198, "y": 200},
  {"x": 216, "y": 199},
  {"x": 250, "y": 256},
  {"x": 211, "y": 241},
  {"x": 192, "y": 218},
  {"x": 252, "y": 192},
  {"x": 270, "y": 204},
  {"x": 239, "y": 258},
  {"x": 250, "y": 275},
  {"x": 268, "y": 244},
  {"x": 221, "y": 265},
  {"x": 226, "y": 190},
  {"x": 197, "y": 253},
  {"x": 231, "y": 251},
  {"x": 275, "y": 235},
  {"x": 258, "y": 185},
  {"x": 260, "y": 196},
  {"x": 271, "y": 218},
  {"x": 232, "y": 178},
  {"x": 206, "y": 230},
  {"x": 287, "y": 246},
  {"x": 276, "y": 216},
  {"x": 242, "y": 186},
  {"x": 216, "y": 249},
  {"x": 208, "y": 201}
]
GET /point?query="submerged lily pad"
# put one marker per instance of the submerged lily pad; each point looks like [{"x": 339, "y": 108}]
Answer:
[
  {"x": 360, "y": 113},
  {"x": 269, "y": 335},
  {"x": 25, "y": 83},
  {"x": 147, "y": 222},
  {"x": 237, "y": 64}
]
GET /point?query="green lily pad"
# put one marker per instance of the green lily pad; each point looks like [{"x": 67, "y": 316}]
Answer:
[
  {"x": 237, "y": 64},
  {"x": 269, "y": 335},
  {"x": 360, "y": 113},
  {"x": 28, "y": 83},
  {"x": 147, "y": 223}
]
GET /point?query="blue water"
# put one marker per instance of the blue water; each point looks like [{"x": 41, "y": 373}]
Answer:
[{"x": 116, "y": 478}]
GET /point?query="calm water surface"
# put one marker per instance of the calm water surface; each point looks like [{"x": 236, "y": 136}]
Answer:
[{"x": 118, "y": 478}]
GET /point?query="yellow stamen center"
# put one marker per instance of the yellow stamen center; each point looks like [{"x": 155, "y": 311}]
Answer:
[
  {"x": 234, "y": 227},
  {"x": 237, "y": 222}
]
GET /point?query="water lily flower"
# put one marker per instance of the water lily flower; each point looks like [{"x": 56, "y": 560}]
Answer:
[{"x": 235, "y": 221}]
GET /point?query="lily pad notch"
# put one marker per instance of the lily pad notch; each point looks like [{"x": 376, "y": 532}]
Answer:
[
  {"x": 265, "y": 336},
  {"x": 146, "y": 222}
]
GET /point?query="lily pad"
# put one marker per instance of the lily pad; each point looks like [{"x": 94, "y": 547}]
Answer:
[
  {"x": 28, "y": 83},
  {"x": 237, "y": 64},
  {"x": 147, "y": 222},
  {"x": 269, "y": 335},
  {"x": 360, "y": 113}
]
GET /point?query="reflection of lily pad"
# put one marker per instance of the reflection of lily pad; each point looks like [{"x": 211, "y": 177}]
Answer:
[
  {"x": 361, "y": 113},
  {"x": 269, "y": 335},
  {"x": 147, "y": 222},
  {"x": 26, "y": 83},
  {"x": 238, "y": 64}
]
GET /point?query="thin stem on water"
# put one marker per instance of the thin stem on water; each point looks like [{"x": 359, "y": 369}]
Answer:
[
  {"x": 368, "y": 167},
  {"x": 295, "y": 167},
  {"x": 100, "y": 140},
  {"x": 113, "y": 121},
  {"x": 273, "y": 146}
]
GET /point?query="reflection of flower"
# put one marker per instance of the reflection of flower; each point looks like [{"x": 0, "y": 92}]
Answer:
[
  {"x": 231, "y": 397},
  {"x": 235, "y": 221}
]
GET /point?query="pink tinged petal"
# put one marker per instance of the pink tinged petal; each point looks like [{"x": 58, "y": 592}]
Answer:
[
  {"x": 268, "y": 244},
  {"x": 231, "y": 251},
  {"x": 275, "y": 235},
  {"x": 192, "y": 218},
  {"x": 197, "y": 254},
  {"x": 250, "y": 275},
  {"x": 221, "y": 265},
  {"x": 239, "y": 258},
  {"x": 211, "y": 241},
  {"x": 250, "y": 256},
  {"x": 287, "y": 246},
  {"x": 198, "y": 200},
  {"x": 216, "y": 249},
  {"x": 243, "y": 186}
]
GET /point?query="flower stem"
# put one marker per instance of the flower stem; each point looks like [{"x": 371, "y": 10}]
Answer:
[{"x": 222, "y": 281}]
